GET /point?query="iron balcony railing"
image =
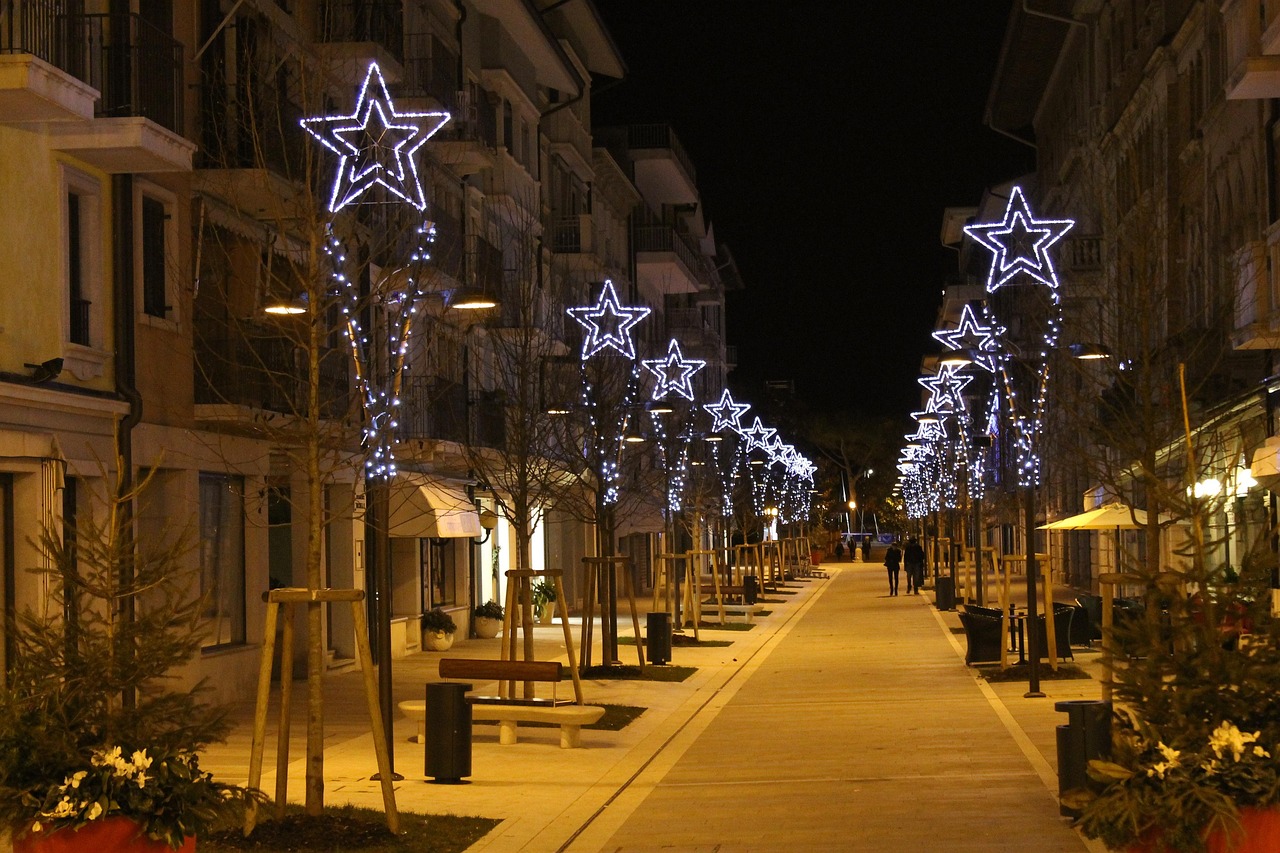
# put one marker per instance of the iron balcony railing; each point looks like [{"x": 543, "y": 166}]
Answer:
[
  {"x": 136, "y": 67},
  {"x": 259, "y": 368},
  {"x": 430, "y": 70},
  {"x": 663, "y": 238},
  {"x": 432, "y": 408},
  {"x": 378, "y": 21},
  {"x": 647, "y": 136}
]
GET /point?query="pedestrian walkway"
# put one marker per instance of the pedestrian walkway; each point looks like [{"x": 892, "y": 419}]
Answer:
[{"x": 845, "y": 720}]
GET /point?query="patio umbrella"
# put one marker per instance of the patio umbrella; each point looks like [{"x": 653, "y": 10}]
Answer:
[{"x": 1113, "y": 516}]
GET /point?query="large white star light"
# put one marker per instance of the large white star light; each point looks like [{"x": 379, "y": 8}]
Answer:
[
  {"x": 1020, "y": 243},
  {"x": 608, "y": 323},
  {"x": 945, "y": 390},
  {"x": 674, "y": 372},
  {"x": 757, "y": 436},
  {"x": 972, "y": 335},
  {"x": 375, "y": 145},
  {"x": 726, "y": 414}
]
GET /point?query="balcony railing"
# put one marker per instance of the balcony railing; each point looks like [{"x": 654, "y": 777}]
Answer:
[
  {"x": 569, "y": 236},
  {"x": 260, "y": 368},
  {"x": 433, "y": 408},
  {"x": 645, "y": 136},
  {"x": 80, "y": 321},
  {"x": 377, "y": 21},
  {"x": 663, "y": 238},
  {"x": 488, "y": 419},
  {"x": 430, "y": 70},
  {"x": 136, "y": 67}
]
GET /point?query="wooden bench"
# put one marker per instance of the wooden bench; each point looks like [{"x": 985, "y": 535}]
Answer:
[{"x": 508, "y": 712}]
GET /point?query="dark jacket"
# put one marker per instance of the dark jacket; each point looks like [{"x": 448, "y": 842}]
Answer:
[
  {"x": 914, "y": 555},
  {"x": 892, "y": 557}
]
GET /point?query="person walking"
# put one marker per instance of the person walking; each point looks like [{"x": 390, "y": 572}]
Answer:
[
  {"x": 913, "y": 559},
  {"x": 892, "y": 561},
  {"x": 866, "y": 548},
  {"x": 839, "y": 549}
]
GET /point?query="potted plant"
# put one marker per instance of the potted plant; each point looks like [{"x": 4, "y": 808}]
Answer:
[
  {"x": 1197, "y": 733},
  {"x": 544, "y": 598},
  {"x": 97, "y": 750},
  {"x": 488, "y": 620},
  {"x": 438, "y": 629}
]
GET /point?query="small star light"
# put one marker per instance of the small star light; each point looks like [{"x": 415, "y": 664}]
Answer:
[
  {"x": 758, "y": 436},
  {"x": 675, "y": 372},
  {"x": 375, "y": 145},
  {"x": 1020, "y": 243},
  {"x": 945, "y": 390},
  {"x": 981, "y": 339},
  {"x": 726, "y": 414},
  {"x": 608, "y": 323}
]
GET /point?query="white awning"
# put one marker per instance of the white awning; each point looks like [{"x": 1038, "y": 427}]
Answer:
[{"x": 423, "y": 508}]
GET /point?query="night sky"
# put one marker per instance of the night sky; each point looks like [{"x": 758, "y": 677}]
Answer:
[{"x": 828, "y": 138}]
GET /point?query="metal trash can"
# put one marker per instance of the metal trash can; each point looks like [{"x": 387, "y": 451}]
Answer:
[
  {"x": 944, "y": 593},
  {"x": 448, "y": 740},
  {"x": 750, "y": 589},
  {"x": 1086, "y": 736},
  {"x": 658, "y": 637}
]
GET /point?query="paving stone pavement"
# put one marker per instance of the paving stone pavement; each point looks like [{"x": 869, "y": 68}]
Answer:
[{"x": 845, "y": 720}]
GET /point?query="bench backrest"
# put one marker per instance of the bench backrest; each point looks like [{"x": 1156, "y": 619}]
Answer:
[{"x": 502, "y": 670}]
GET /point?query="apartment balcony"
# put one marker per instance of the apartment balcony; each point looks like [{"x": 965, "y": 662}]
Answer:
[
  {"x": 488, "y": 411},
  {"x": 570, "y": 141},
  {"x": 469, "y": 142},
  {"x": 353, "y": 33},
  {"x": 651, "y": 141},
  {"x": 1257, "y": 314},
  {"x": 254, "y": 158},
  {"x": 135, "y": 69},
  {"x": 1252, "y": 49},
  {"x": 257, "y": 367},
  {"x": 666, "y": 260},
  {"x": 573, "y": 235},
  {"x": 432, "y": 408},
  {"x": 430, "y": 80},
  {"x": 692, "y": 330}
]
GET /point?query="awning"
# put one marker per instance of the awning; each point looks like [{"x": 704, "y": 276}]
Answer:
[
  {"x": 1109, "y": 517},
  {"x": 1265, "y": 465},
  {"x": 423, "y": 508}
]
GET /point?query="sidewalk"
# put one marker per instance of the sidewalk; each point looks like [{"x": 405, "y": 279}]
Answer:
[{"x": 845, "y": 720}]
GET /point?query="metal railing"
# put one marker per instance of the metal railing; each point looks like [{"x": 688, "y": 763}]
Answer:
[
  {"x": 260, "y": 368},
  {"x": 566, "y": 235},
  {"x": 642, "y": 136},
  {"x": 79, "y": 332},
  {"x": 663, "y": 238},
  {"x": 430, "y": 70},
  {"x": 378, "y": 21},
  {"x": 434, "y": 408}
]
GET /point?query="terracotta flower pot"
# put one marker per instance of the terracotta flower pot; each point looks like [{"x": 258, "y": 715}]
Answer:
[
  {"x": 109, "y": 835},
  {"x": 1260, "y": 833}
]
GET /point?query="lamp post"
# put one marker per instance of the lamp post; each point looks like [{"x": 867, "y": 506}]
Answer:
[{"x": 1023, "y": 297}]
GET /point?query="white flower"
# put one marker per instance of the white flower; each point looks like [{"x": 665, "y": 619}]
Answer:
[
  {"x": 95, "y": 811},
  {"x": 140, "y": 760},
  {"x": 37, "y": 826},
  {"x": 1170, "y": 761},
  {"x": 1228, "y": 737},
  {"x": 74, "y": 780}
]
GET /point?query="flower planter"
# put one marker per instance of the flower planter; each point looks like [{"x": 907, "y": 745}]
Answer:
[
  {"x": 1260, "y": 833},
  {"x": 437, "y": 641},
  {"x": 487, "y": 628},
  {"x": 546, "y": 613},
  {"x": 109, "y": 835}
]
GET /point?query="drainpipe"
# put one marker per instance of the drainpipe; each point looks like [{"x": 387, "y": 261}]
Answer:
[{"x": 125, "y": 369}]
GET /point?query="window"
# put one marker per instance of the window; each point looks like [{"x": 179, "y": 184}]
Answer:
[
  {"x": 82, "y": 227},
  {"x": 155, "y": 250},
  {"x": 222, "y": 558}
]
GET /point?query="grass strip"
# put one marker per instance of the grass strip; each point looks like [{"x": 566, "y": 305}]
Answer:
[
  {"x": 651, "y": 672},
  {"x": 354, "y": 829},
  {"x": 1022, "y": 671}
]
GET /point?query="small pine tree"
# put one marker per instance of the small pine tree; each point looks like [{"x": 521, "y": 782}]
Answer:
[{"x": 89, "y": 685}]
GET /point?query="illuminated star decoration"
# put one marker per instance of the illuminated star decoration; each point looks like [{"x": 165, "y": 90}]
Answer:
[
  {"x": 757, "y": 436},
  {"x": 945, "y": 390},
  {"x": 608, "y": 324},
  {"x": 726, "y": 414},
  {"x": 972, "y": 334},
  {"x": 1020, "y": 243},
  {"x": 375, "y": 145},
  {"x": 674, "y": 372}
]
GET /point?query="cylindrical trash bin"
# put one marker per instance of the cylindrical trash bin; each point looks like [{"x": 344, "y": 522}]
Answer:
[
  {"x": 1086, "y": 736},
  {"x": 944, "y": 593},
  {"x": 658, "y": 636},
  {"x": 448, "y": 741},
  {"x": 750, "y": 589}
]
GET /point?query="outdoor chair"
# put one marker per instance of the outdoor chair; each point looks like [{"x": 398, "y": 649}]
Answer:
[{"x": 982, "y": 632}]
